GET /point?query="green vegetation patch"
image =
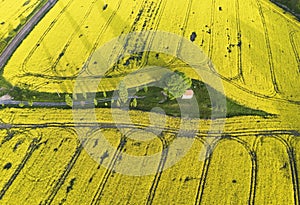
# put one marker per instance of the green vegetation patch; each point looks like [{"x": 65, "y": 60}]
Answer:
[
  {"x": 152, "y": 98},
  {"x": 293, "y": 5}
]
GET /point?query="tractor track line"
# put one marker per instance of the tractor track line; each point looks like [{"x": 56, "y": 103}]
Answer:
[
  {"x": 268, "y": 44},
  {"x": 30, "y": 177},
  {"x": 154, "y": 25},
  {"x": 239, "y": 60},
  {"x": 108, "y": 172},
  {"x": 254, "y": 166},
  {"x": 32, "y": 147},
  {"x": 256, "y": 94},
  {"x": 211, "y": 35},
  {"x": 293, "y": 167},
  {"x": 103, "y": 29},
  {"x": 239, "y": 36},
  {"x": 295, "y": 170},
  {"x": 64, "y": 175},
  {"x": 159, "y": 171},
  {"x": 204, "y": 173},
  {"x": 50, "y": 77},
  {"x": 254, "y": 169},
  {"x": 295, "y": 50},
  {"x": 292, "y": 162},
  {"x": 185, "y": 23},
  {"x": 140, "y": 44},
  {"x": 66, "y": 46},
  {"x": 133, "y": 28},
  {"x": 295, "y": 181},
  {"x": 253, "y": 182},
  {"x": 248, "y": 133},
  {"x": 28, "y": 57},
  {"x": 207, "y": 162}
]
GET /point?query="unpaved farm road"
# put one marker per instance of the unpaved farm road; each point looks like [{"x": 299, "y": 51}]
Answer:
[{"x": 17, "y": 40}]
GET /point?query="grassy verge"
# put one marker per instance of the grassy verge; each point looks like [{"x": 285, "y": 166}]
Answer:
[
  {"x": 153, "y": 96},
  {"x": 292, "y": 5},
  {"x": 20, "y": 94},
  {"x": 147, "y": 100}
]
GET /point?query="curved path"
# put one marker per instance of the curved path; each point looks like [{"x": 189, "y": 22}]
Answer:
[{"x": 17, "y": 40}]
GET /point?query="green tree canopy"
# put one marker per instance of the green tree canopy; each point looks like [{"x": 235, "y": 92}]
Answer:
[
  {"x": 69, "y": 100},
  {"x": 123, "y": 93},
  {"x": 176, "y": 83}
]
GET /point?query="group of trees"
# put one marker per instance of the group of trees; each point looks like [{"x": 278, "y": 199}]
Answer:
[{"x": 174, "y": 85}]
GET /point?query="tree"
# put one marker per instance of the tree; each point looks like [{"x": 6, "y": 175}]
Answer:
[
  {"x": 134, "y": 103},
  {"x": 30, "y": 102},
  {"x": 11, "y": 31},
  {"x": 95, "y": 102},
  {"x": 68, "y": 100},
  {"x": 2, "y": 44},
  {"x": 145, "y": 88},
  {"x": 22, "y": 20},
  {"x": 175, "y": 84},
  {"x": 21, "y": 104},
  {"x": 123, "y": 93},
  {"x": 84, "y": 95}
]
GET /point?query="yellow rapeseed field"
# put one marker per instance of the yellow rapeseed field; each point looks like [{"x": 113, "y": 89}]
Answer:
[
  {"x": 254, "y": 47},
  {"x": 253, "y": 55},
  {"x": 250, "y": 162},
  {"x": 13, "y": 15}
]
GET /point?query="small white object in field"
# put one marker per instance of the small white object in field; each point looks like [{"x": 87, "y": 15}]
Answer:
[{"x": 188, "y": 94}]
